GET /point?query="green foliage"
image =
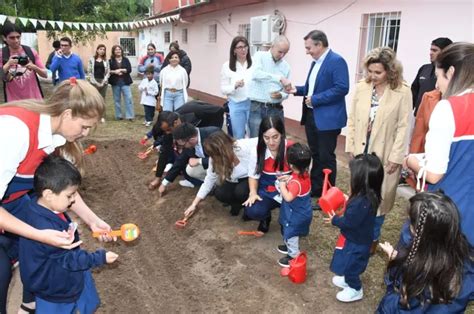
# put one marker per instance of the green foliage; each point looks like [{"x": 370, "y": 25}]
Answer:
[{"x": 91, "y": 11}]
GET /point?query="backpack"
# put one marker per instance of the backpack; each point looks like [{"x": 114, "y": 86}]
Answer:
[{"x": 6, "y": 57}]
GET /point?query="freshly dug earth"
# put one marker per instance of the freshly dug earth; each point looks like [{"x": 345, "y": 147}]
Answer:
[{"x": 205, "y": 267}]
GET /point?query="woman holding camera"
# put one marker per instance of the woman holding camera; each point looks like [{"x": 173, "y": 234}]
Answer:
[{"x": 20, "y": 64}]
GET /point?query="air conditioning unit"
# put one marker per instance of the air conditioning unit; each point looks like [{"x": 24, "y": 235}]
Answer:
[{"x": 262, "y": 29}]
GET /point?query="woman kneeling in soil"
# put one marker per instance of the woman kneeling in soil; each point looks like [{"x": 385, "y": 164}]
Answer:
[
  {"x": 268, "y": 161},
  {"x": 229, "y": 167}
]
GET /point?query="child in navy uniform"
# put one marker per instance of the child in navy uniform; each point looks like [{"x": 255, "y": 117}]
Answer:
[
  {"x": 60, "y": 279},
  {"x": 434, "y": 272},
  {"x": 357, "y": 226},
  {"x": 296, "y": 212}
]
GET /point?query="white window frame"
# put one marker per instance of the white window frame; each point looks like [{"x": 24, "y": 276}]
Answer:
[
  {"x": 124, "y": 48},
  {"x": 212, "y": 37},
  {"x": 371, "y": 32},
  {"x": 184, "y": 35}
]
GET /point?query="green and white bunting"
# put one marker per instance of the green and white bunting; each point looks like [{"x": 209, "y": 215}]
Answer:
[{"x": 60, "y": 25}]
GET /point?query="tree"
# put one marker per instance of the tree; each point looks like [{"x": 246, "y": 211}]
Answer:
[{"x": 97, "y": 11}]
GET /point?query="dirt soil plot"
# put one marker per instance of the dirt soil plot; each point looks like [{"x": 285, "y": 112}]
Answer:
[{"x": 206, "y": 267}]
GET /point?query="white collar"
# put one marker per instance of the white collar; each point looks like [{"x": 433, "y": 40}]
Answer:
[
  {"x": 323, "y": 56},
  {"x": 45, "y": 136}
]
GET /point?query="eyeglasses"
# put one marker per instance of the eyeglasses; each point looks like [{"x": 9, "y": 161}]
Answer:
[{"x": 241, "y": 47}]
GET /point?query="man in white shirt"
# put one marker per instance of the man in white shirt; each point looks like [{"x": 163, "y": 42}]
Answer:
[{"x": 269, "y": 79}]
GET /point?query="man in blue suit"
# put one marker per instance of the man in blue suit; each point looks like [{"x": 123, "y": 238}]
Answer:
[{"x": 324, "y": 106}]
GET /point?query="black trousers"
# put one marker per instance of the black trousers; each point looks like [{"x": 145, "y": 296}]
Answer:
[
  {"x": 323, "y": 146},
  {"x": 233, "y": 193}
]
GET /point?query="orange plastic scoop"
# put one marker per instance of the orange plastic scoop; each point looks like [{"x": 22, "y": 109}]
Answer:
[
  {"x": 145, "y": 154},
  {"x": 128, "y": 232},
  {"x": 90, "y": 150},
  {"x": 180, "y": 224},
  {"x": 257, "y": 234}
]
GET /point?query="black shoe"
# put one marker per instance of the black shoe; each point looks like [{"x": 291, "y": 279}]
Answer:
[
  {"x": 285, "y": 261},
  {"x": 283, "y": 249},
  {"x": 316, "y": 206},
  {"x": 264, "y": 225},
  {"x": 235, "y": 210}
]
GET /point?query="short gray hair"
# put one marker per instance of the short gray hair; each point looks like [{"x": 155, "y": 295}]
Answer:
[{"x": 318, "y": 36}]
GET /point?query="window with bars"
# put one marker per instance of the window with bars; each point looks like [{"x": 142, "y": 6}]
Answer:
[
  {"x": 244, "y": 30},
  {"x": 128, "y": 45},
  {"x": 184, "y": 35},
  {"x": 213, "y": 33},
  {"x": 167, "y": 36},
  {"x": 377, "y": 30}
]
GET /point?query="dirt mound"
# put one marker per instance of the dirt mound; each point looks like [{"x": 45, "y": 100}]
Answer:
[{"x": 206, "y": 267}]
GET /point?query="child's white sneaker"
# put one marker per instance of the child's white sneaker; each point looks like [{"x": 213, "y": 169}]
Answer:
[
  {"x": 186, "y": 184},
  {"x": 339, "y": 281},
  {"x": 350, "y": 295}
]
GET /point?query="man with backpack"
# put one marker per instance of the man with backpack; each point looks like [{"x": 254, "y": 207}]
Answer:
[{"x": 20, "y": 65}]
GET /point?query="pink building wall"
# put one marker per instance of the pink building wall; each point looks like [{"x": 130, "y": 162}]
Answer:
[
  {"x": 421, "y": 21},
  {"x": 45, "y": 46}
]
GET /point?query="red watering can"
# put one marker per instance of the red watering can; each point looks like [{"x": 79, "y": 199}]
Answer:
[
  {"x": 332, "y": 198},
  {"x": 297, "y": 270}
]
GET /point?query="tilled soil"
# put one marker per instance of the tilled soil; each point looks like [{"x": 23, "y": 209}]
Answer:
[{"x": 205, "y": 267}]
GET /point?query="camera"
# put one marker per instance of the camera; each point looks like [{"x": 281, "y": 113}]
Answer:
[{"x": 22, "y": 60}]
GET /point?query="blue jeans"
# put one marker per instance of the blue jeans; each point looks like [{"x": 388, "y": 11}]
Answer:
[
  {"x": 172, "y": 101},
  {"x": 378, "y": 226},
  {"x": 127, "y": 94},
  {"x": 239, "y": 114},
  {"x": 257, "y": 112}
]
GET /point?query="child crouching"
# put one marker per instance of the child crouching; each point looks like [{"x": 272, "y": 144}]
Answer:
[
  {"x": 60, "y": 279},
  {"x": 296, "y": 212},
  {"x": 357, "y": 226}
]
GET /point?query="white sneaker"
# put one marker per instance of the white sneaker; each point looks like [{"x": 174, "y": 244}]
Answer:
[
  {"x": 350, "y": 295},
  {"x": 186, "y": 184},
  {"x": 148, "y": 123},
  {"x": 339, "y": 281},
  {"x": 168, "y": 167},
  {"x": 102, "y": 120}
]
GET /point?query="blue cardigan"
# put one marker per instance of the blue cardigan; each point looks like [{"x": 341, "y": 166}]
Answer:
[
  {"x": 357, "y": 224},
  {"x": 55, "y": 275}
]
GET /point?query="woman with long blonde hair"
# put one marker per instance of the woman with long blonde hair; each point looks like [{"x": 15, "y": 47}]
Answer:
[
  {"x": 229, "y": 168},
  {"x": 378, "y": 122},
  {"x": 29, "y": 131}
]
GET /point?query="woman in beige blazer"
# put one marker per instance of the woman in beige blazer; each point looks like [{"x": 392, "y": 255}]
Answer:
[{"x": 379, "y": 122}]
